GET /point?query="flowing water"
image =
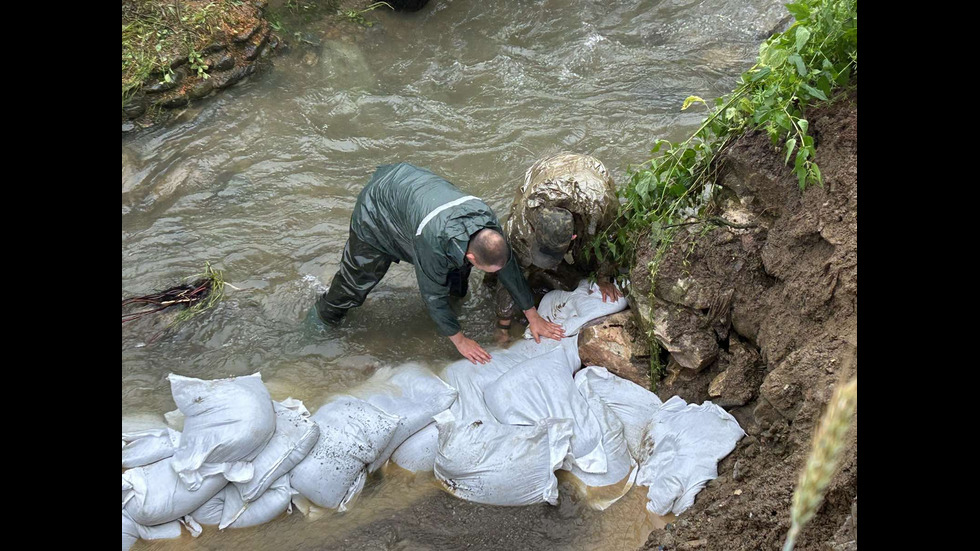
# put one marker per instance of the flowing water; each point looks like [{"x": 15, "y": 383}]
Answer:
[{"x": 260, "y": 181}]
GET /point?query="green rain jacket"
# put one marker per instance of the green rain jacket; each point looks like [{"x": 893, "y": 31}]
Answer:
[{"x": 416, "y": 216}]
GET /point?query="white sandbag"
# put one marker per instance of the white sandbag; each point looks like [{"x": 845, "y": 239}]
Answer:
[
  {"x": 209, "y": 514},
  {"x": 154, "y": 495},
  {"x": 573, "y": 309},
  {"x": 499, "y": 464},
  {"x": 635, "y": 406},
  {"x": 411, "y": 392},
  {"x": 227, "y": 423},
  {"x": 132, "y": 530},
  {"x": 600, "y": 490},
  {"x": 541, "y": 388},
  {"x": 292, "y": 441},
  {"x": 353, "y": 433},
  {"x": 239, "y": 513},
  {"x": 470, "y": 379},
  {"x": 418, "y": 453},
  {"x": 687, "y": 441},
  {"x": 148, "y": 446}
]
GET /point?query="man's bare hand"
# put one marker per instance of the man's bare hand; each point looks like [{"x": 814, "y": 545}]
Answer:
[
  {"x": 609, "y": 290},
  {"x": 470, "y": 349},
  {"x": 541, "y": 327}
]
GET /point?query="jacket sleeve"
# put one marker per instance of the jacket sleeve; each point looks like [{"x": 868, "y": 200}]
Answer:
[
  {"x": 513, "y": 280},
  {"x": 436, "y": 298}
]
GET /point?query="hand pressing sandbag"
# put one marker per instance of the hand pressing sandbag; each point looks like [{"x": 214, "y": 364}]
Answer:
[
  {"x": 295, "y": 436},
  {"x": 470, "y": 379},
  {"x": 688, "y": 441},
  {"x": 132, "y": 530},
  {"x": 498, "y": 464},
  {"x": 410, "y": 392},
  {"x": 227, "y": 423},
  {"x": 541, "y": 388},
  {"x": 418, "y": 453},
  {"x": 353, "y": 434},
  {"x": 154, "y": 495},
  {"x": 148, "y": 446},
  {"x": 635, "y": 406},
  {"x": 574, "y": 309}
]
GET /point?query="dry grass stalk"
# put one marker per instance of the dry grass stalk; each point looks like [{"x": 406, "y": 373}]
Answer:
[{"x": 828, "y": 442}]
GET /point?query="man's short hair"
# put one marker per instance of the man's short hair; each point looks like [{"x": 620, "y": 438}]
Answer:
[{"x": 489, "y": 247}]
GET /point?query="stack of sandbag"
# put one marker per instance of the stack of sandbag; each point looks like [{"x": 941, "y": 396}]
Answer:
[
  {"x": 232, "y": 432},
  {"x": 677, "y": 445},
  {"x": 526, "y": 395}
]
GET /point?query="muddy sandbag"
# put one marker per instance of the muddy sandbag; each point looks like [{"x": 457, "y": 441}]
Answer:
[
  {"x": 600, "y": 490},
  {"x": 542, "y": 388},
  {"x": 353, "y": 434},
  {"x": 227, "y": 422},
  {"x": 411, "y": 392},
  {"x": 496, "y": 464},
  {"x": 635, "y": 406},
  {"x": 132, "y": 530},
  {"x": 573, "y": 309},
  {"x": 239, "y": 513},
  {"x": 153, "y": 494},
  {"x": 148, "y": 446},
  {"x": 418, "y": 453},
  {"x": 687, "y": 441},
  {"x": 295, "y": 436}
]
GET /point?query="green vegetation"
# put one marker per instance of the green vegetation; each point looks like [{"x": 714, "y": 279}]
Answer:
[
  {"x": 796, "y": 68},
  {"x": 155, "y": 34}
]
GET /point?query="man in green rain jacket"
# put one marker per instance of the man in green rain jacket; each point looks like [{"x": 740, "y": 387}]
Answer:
[{"x": 408, "y": 213}]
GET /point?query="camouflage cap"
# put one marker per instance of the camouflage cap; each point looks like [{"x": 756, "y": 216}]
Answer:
[{"x": 553, "y": 232}]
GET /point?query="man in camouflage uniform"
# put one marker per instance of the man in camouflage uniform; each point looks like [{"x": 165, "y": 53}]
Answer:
[{"x": 565, "y": 201}]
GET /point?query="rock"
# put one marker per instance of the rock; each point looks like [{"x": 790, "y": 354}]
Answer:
[
  {"x": 162, "y": 86},
  {"x": 201, "y": 89},
  {"x": 214, "y": 48},
  {"x": 128, "y": 126},
  {"x": 253, "y": 50},
  {"x": 234, "y": 76},
  {"x": 178, "y": 62},
  {"x": 135, "y": 106},
  {"x": 738, "y": 384},
  {"x": 609, "y": 344},
  {"x": 248, "y": 33},
  {"x": 174, "y": 102},
  {"x": 225, "y": 63},
  {"x": 681, "y": 332}
]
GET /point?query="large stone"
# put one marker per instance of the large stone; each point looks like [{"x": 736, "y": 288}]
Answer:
[
  {"x": 739, "y": 383},
  {"x": 253, "y": 50},
  {"x": 135, "y": 106},
  {"x": 682, "y": 333},
  {"x": 248, "y": 33},
  {"x": 174, "y": 102},
  {"x": 234, "y": 76},
  {"x": 610, "y": 344},
  {"x": 225, "y": 63},
  {"x": 201, "y": 89}
]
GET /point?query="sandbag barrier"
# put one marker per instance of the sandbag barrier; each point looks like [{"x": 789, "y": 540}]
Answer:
[{"x": 493, "y": 433}]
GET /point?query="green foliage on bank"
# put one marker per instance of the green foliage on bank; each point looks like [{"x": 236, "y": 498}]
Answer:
[{"x": 795, "y": 69}]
